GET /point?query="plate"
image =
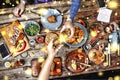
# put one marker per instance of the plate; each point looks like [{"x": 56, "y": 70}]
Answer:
[
  {"x": 96, "y": 56},
  {"x": 76, "y": 61},
  {"x": 84, "y": 37},
  {"x": 16, "y": 41},
  {"x": 48, "y": 25}
]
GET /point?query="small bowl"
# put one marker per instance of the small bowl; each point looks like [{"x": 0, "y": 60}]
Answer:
[
  {"x": 40, "y": 39},
  {"x": 32, "y": 29}
]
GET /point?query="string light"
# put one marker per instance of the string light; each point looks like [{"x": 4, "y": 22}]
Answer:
[
  {"x": 100, "y": 73},
  {"x": 2, "y": 11},
  {"x": 54, "y": 2},
  {"x": 83, "y": 6},
  {"x": 7, "y": 1},
  {"x": 10, "y": 3},
  {"x": 87, "y": 17},
  {"x": 10, "y": 15},
  {"x": 116, "y": 14},
  {"x": 25, "y": 17},
  {"x": 83, "y": 0},
  {"x": 13, "y": 5},
  {"x": 5, "y": 77},
  {"x": 3, "y": 3},
  {"x": 68, "y": 2},
  {"x": 110, "y": 78},
  {"x": 17, "y": 2},
  {"x": 117, "y": 78},
  {"x": 94, "y": 1},
  {"x": 28, "y": 71},
  {"x": 112, "y": 4}
]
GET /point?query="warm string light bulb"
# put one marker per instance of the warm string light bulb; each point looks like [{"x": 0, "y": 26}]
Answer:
[
  {"x": 28, "y": 71},
  {"x": 112, "y": 4},
  {"x": 7, "y": 1},
  {"x": 116, "y": 14}
]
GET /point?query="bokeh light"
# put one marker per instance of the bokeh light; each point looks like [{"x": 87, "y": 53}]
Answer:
[
  {"x": 100, "y": 73},
  {"x": 28, "y": 71},
  {"x": 10, "y": 15},
  {"x": 112, "y": 4},
  {"x": 2, "y": 11},
  {"x": 110, "y": 78},
  {"x": 6, "y": 77},
  {"x": 117, "y": 77},
  {"x": 7, "y": 1},
  {"x": 116, "y": 14}
]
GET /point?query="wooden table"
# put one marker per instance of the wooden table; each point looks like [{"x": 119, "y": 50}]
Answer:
[{"x": 88, "y": 10}]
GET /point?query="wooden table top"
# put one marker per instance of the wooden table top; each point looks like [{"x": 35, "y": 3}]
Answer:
[{"x": 89, "y": 12}]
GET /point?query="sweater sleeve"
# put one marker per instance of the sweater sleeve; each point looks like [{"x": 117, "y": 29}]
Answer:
[
  {"x": 74, "y": 8},
  {"x": 25, "y": 0}
]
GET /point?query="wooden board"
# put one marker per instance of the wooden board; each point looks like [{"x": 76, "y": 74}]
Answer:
[{"x": 10, "y": 34}]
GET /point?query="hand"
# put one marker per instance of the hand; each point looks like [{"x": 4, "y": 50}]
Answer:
[
  {"x": 68, "y": 25},
  {"x": 51, "y": 50},
  {"x": 19, "y": 9}
]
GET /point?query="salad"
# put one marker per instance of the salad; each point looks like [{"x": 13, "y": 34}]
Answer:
[{"x": 32, "y": 29}]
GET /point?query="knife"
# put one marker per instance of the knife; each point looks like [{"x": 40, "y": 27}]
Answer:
[{"x": 118, "y": 34}]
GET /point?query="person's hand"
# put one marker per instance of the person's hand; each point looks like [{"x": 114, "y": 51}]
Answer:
[
  {"x": 68, "y": 25},
  {"x": 19, "y": 9},
  {"x": 52, "y": 51}
]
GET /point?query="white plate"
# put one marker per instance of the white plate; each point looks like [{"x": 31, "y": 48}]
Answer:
[{"x": 51, "y": 26}]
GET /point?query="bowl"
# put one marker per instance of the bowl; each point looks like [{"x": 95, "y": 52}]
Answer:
[
  {"x": 85, "y": 36},
  {"x": 32, "y": 28},
  {"x": 40, "y": 39}
]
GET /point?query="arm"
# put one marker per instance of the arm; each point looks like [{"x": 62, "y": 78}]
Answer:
[
  {"x": 69, "y": 22},
  {"x": 44, "y": 74},
  {"x": 74, "y": 8},
  {"x": 20, "y": 8}
]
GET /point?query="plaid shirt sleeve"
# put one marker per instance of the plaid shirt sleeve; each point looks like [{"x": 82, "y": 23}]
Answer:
[{"x": 74, "y": 8}]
